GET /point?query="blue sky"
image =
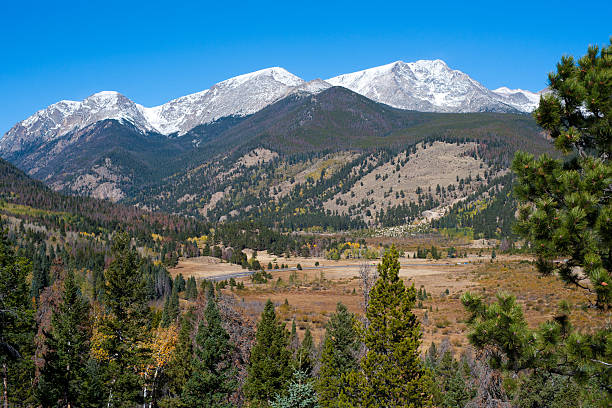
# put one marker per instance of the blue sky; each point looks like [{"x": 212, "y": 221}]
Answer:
[{"x": 155, "y": 51}]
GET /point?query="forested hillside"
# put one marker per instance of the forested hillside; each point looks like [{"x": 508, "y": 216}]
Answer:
[
  {"x": 62, "y": 222},
  {"x": 308, "y": 162},
  {"x": 279, "y": 165}
]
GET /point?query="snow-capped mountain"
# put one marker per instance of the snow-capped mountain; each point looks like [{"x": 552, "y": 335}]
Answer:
[
  {"x": 240, "y": 96},
  {"x": 525, "y": 101},
  {"x": 428, "y": 86},
  {"x": 65, "y": 116}
]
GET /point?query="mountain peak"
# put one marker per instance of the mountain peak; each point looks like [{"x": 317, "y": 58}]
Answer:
[
  {"x": 521, "y": 99},
  {"x": 240, "y": 95},
  {"x": 424, "y": 85},
  {"x": 506, "y": 90},
  {"x": 432, "y": 63},
  {"x": 105, "y": 94},
  {"x": 278, "y": 74},
  {"x": 107, "y": 97}
]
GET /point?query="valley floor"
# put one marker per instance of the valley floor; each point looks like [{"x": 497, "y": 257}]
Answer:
[{"x": 311, "y": 294}]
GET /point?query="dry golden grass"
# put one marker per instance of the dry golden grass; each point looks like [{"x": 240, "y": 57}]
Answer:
[{"x": 311, "y": 300}]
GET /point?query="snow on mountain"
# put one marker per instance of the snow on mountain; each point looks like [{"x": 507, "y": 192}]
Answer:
[
  {"x": 65, "y": 116},
  {"x": 429, "y": 86},
  {"x": 313, "y": 87},
  {"x": 424, "y": 85},
  {"x": 241, "y": 95},
  {"x": 525, "y": 101}
]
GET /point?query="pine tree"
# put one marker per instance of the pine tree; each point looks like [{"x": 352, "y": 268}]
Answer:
[
  {"x": 294, "y": 340},
  {"x": 64, "y": 374},
  {"x": 553, "y": 349},
  {"x": 121, "y": 330},
  {"x": 304, "y": 355},
  {"x": 171, "y": 310},
  {"x": 40, "y": 273},
  {"x": 165, "y": 318},
  {"x": 300, "y": 394},
  {"x": 188, "y": 288},
  {"x": 566, "y": 204},
  {"x": 339, "y": 357},
  {"x": 179, "y": 283},
  {"x": 179, "y": 369},
  {"x": 173, "y": 306},
  {"x": 16, "y": 327},
  {"x": 191, "y": 289},
  {"x": 565, "y": 212},
  {"x": 392, "y": 374},
  {"x": 452, "y": 387},
  {"x": 270, "y": 364},
  {"x": 212, "y": 379}
]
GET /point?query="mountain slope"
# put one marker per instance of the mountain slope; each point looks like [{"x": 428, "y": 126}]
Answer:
[
  {"x": 105, "y": 159},
  {"x": 24, "y": 197},
  {"x": 525, "y": 101},
  {"x": 427, "y": 86},
  {"x": 340, "y": 119},
  {"x": 238, "y": 96},
  {"x": 272, "y": 158}
]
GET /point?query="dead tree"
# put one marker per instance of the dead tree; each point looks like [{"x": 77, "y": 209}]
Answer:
[{"x": 368, "y": 276}]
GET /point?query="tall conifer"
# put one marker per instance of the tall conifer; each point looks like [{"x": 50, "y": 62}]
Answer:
[
  {"x": 212, "y": 379},
  {"x": 339, "y": 357},
  {"x": 179, "y": 369},
  {"x": 122, "y": 329},
  {"x": 392, "y": 373},
  {"x": 64, "y": 373},
  {"x": 566, "y": 205},
  {"x": 270, "y": 364},
  {"x": 16, "y": 326},
  {"x": 304, "y": 356}
]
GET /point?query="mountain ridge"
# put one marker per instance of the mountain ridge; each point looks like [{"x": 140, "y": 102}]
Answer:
[
  {"x": 237, "y": 96},
  {"x": 423, "y": 86},
  {"x": 428, "y": 86}
]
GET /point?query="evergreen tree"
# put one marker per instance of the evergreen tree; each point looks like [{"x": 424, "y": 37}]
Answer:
[
  {"x": 191, "y": 289},
  {"x": 179, "y": 369},
  {"x": 179, "y": 283},
  {"x": 304, "y": 355},
  {"x": 553, "y": 349},
  {"x": 270, "y": 364},
  {"x": 565, "y": 212},
  {"x": 165, "y": 319},
  {"x": 566, "y": 204},
  {"x": 339, "y": 357},
  {"x": 392, "y": 374},
  {"x": 452, "y": 386},
  {"x": 300, "y": 394},
  {"x": 40, "y": 273},
  {"x": 64, "y": 374},
  {"x": 171, "y": 308},
  {"x": 16, "y": 327},
  {"x": 121, "y": 330},
  {"x": 294, "y": 341},
  {"x": 174, "y": 306},
  {"x": 212, "y": 379}
]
